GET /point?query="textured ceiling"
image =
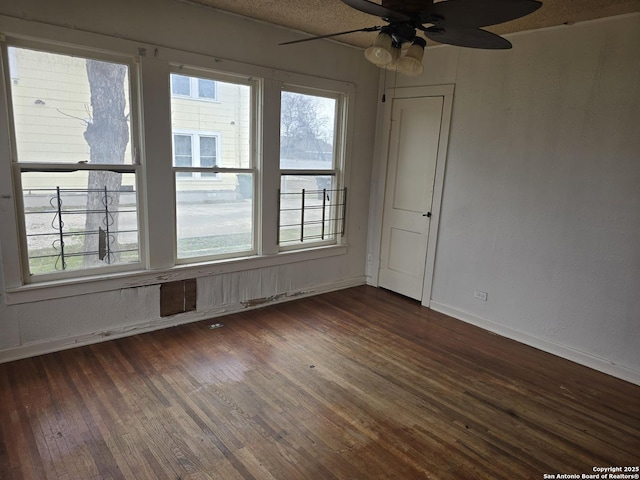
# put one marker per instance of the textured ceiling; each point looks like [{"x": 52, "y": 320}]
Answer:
[{"x": 320, "y": 17}]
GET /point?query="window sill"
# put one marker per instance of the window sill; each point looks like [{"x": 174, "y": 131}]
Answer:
[{"x": 87, "y": 285}]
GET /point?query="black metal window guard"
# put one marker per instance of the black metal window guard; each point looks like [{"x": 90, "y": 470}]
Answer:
[
  {"x": 108, "y": 247},
  {"x": 311, "y": 215}
]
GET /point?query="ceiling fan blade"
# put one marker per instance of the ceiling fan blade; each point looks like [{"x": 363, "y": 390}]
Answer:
[
  {"x": 318, "y": 37},
  {"x": 480, "y": 13},
  {"x": 375, "y": 9},
  {"x": 408, "y": 7},
  {"x": 467, "y": 37}
]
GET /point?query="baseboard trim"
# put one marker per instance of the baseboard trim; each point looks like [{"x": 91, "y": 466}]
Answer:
[
  {"x": 59, "y": 344},
  {"x": 577, "y": 356}
]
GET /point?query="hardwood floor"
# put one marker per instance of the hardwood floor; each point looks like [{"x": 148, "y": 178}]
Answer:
[{"x": 356, "y": 384}]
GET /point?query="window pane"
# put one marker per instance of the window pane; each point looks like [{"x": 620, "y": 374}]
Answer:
[
  {"x": 309, "y": 208},
  {"x": 182, "y": 156},
  {"x": 207, "y": 151},
  {"x": 206, "y": 88},
  {"x": 214, "y": 211},
  {"x": 79, "y": 220},
  {"x": 180, "y": 85},
  {"x": 229, "y": 120},
  {"x": 70, "y": 109},
  {"x": 214, "y": 216},
  {"x": 307, "y": 131}
]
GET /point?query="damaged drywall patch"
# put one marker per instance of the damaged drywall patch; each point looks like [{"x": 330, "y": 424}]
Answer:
[
  {"x": 255, "y": 302},
  {"x": 178, "y": 297},
  {"x": 261, "y": 301}
]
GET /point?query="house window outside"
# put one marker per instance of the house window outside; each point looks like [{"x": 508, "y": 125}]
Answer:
[
  {"x": 71, "y": 118},
  {"x": 208, "y": 151},
  {"x": 194, "y": 149},
  {"x": 197, "y": 88},
  {"x": 182, "y": 151},
  {"x": 214, "y": 171},
  {"x": 311, "y": 202}
]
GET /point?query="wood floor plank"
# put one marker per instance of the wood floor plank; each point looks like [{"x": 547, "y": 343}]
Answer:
[
  {"x": 25, "y": 440},
  {"x": 355, "y": 384},
  {"x": 8, "y": 457}
]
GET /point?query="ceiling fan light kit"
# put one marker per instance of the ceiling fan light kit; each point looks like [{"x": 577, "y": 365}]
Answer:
[
  {"x": 381, "y": 52},
  {"x": 454, "y": 22},
  {"x": 410, "y": 63},
  {"x": 386, "y": 52}
]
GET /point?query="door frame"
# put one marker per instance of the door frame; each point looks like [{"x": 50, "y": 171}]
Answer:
[{"x": 379, "y": 186}]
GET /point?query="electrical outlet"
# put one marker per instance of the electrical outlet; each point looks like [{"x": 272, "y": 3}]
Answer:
[
  {"x": 480, "y": 295},
  {"x": 369, "y": 258}
]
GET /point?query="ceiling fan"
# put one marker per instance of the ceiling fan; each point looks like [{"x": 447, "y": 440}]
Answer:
[{"x": 454, "y": 22}]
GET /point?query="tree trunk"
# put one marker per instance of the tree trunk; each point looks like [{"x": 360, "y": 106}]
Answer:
[{"x": 107, "y": 136}]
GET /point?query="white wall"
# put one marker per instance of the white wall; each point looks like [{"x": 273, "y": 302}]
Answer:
[
  {"x": 541, "y": 205},
  {"x": 83, "y": 314}
]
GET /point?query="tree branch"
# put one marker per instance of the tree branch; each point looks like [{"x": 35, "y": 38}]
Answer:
[{"x": 86, "y": 122}]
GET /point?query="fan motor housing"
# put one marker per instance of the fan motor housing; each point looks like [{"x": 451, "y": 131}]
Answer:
[{"x": 401, "y": 32}]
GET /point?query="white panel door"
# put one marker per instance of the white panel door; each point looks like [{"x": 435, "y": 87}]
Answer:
[{"x": 411, "y": 169}]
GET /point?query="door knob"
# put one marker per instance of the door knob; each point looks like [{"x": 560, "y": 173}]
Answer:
[{"x": 428, "y": 214}]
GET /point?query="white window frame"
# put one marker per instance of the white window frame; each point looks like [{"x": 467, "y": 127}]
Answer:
[
  {"x": 152, "y": 132},
  {"x": 17, "y": 167},
  {"x": 338, "y": 167},
  {"x": 197, "y": 170},
  {"x": 194, "y": 89}
]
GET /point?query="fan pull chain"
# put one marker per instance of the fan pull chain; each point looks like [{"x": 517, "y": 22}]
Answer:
[
  {"x": 395, "y": 82},
  {"x": 384, "y": 87}
]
